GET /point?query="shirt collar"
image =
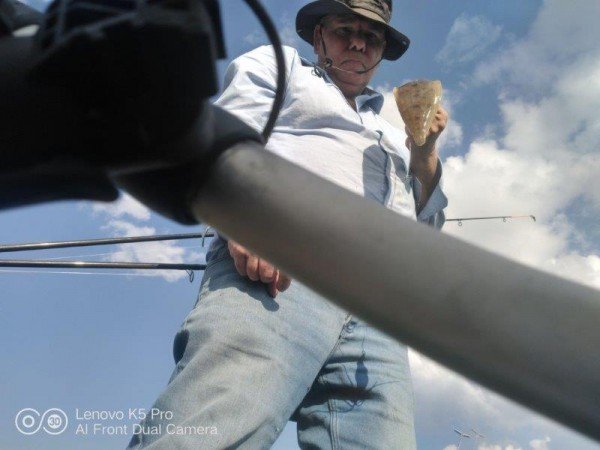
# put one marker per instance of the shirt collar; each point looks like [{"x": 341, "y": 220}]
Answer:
[{"x": 370, "y": 97}]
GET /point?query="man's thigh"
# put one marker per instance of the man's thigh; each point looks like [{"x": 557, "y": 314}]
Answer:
[
  {"x": 244, "y": 361},
  {"x": 362, "y": 398}
]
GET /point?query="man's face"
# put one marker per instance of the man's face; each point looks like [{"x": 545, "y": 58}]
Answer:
[{"x": 353, "y": 44}]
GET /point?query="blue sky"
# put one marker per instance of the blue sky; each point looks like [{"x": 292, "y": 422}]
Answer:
[{"x": 521, "y": 82}]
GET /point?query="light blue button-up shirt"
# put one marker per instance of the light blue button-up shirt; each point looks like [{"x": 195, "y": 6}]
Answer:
[{"x": 318, "y": 130}]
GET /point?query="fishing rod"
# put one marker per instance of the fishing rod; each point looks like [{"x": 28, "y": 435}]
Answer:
[
  {"x": 45, "y": 264},
  {"x": 139, "y": 239},
  {"x": 460, "y": 220},
  {"x": 104, "y": 241},
  {"x": 171, "y": 237},
  {"x": 99, "y": 265},
  {"x": 189, "y": 268}
]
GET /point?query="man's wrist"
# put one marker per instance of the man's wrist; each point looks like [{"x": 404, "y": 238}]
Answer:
[
  {"x": 424, "y": 164},
  {"x": 428, "y": 176}
]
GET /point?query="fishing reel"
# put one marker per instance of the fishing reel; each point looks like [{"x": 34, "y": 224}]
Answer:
[{"x": 112, "y": 94}]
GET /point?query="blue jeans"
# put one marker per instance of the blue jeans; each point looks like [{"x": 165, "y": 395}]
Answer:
[{"x": 247, "y": 363}]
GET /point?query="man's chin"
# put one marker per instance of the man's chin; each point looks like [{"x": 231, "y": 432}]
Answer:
[{"x": 350, "y": 86}]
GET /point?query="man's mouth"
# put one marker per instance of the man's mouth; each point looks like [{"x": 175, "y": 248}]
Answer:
[{"x": 354, "y": 64}]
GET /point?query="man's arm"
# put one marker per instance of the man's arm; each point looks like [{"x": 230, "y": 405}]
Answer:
[
  {"x": 248, "y": 92},
  {"x": 424, "y": 159}
]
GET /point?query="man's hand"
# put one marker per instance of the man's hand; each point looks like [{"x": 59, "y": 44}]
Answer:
[
  {"x": 423, "y": 159},
  {"x": 439, "y": 124},
  {"x": 255, "y": 268}
]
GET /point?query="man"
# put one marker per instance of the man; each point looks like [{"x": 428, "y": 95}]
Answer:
[{"x": 259, "y": 348}]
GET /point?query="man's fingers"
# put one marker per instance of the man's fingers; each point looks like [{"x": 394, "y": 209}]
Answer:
[
  {"x": 279, "y": 284},
  {"x": 239, "y": 256},
  {"x": 266, "y": 271},
  {"x": 283, "y": 282},
  {"x": 240, "y": 264},
  {"x": 442, "y": 117},
  {"x": 272, "y": 286},
  {"x": 252, "y": 267}
]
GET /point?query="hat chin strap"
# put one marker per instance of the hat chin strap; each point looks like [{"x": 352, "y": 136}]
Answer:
[{"x": 329, "y": 62}]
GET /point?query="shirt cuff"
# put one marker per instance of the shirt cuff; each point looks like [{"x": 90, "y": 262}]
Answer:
[{"x": 433, "y": 211}]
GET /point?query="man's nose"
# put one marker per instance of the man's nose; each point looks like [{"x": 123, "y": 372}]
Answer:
[{"x": 358, "y": 42}]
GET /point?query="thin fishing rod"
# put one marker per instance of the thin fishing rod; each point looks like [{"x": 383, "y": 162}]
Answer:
[
  {"x": 504, "y": 218},
  {"x": 106, "y": 241},
  {"x": 169, "y": 237},
  {"x": 100, "y": 265},
  {"x": 44, "y": 271}
]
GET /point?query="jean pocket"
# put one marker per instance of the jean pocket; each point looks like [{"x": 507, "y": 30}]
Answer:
[
  {"x": 217, "y": 254},
  {"x": 213, "y": 258}
]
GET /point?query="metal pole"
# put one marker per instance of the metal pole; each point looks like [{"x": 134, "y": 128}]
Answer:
[{"x": 526, "y": 334}]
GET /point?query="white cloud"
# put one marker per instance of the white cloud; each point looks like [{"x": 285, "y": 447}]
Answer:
[
  {"x": 543, "y": 158},
  {"x": 540, "y": 444},
  {"x": 498, "y": 447},
  {"x": 536, "y": 444},
  {"x": 562, "y": 33},
  {"x": 468, "y": 39},
  {"x": 156, "y": 252},
  {"x": 126, "y": 205},
  {"x": 546, "y": 158},
  {"x": 443, "y": 393},
  {"x": 490, "y": 180},
  {"x": 286, "y": 29},
  {"x": 255, "y": 38}
]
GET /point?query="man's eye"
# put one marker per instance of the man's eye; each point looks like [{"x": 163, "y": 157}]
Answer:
[
  {"x": 373, "y": 38},
  {"x": 344, "y": 31}
]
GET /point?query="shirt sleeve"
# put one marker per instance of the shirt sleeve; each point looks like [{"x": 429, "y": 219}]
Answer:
[
  {"x": 433, "y": 212},
  {"x": 248, "y": 93},
  {"x": 250, "y": 85}
]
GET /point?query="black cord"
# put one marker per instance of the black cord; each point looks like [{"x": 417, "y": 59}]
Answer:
[{"x": 273, "y": 36}]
